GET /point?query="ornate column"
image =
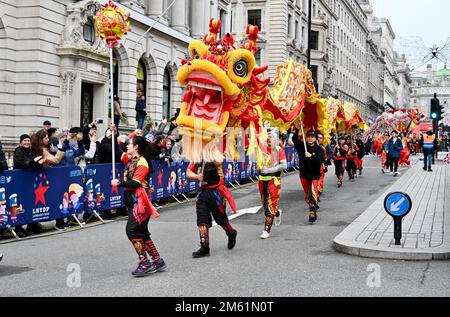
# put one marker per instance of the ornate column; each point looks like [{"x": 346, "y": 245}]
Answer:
[
  {"x": 199, "y": 8},
  {"x": 179, "y": 21},
  {"x": 155, "y": 8}
]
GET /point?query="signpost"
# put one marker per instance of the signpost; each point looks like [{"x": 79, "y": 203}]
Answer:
[{"x": 398, "y": 205}]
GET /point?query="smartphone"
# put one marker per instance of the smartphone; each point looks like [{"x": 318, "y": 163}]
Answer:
[{"x": 99, "y": 121}]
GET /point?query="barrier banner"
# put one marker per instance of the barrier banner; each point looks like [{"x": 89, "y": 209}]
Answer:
[
  {"x": 99, "y": 194},
  {"x": 228, "y": 172},
  {"x": 28, "y": 196},
  {"x": 289, "y": 157},
  {"x": 163, "y": 181},
  {"x": 292, "y": 157}
]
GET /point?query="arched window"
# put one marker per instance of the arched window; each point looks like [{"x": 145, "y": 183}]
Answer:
[
  {"x": 141, "y": 88},
  {"x": 89, "y": 32},
  {"x": 166, "y": 94},
  {"x": 116, "y": 67}
]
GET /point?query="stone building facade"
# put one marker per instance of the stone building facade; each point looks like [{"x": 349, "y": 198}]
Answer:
[
  {"x": 375, "y": 65},
  {"x": 52, "y": 66},
  {"x": 404, "y": 89},
  {"x": 391, "y": 80},
  {"x": 424, "y": 88}
]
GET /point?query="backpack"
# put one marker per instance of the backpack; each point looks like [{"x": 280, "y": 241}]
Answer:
[{"x": 3, "y": 162}]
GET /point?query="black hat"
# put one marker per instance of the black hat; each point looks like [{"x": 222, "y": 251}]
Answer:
[
  {"x": 46, "y": 122},
  {"x": 75, "y": 130},
  {"x": 51, "y": 131},
  {"x": 23, "y": 137}
]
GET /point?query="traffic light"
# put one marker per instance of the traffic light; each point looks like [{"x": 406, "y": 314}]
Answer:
[
  {"x": 441, "y": 112},
  {"x": 436, "y": 109}
]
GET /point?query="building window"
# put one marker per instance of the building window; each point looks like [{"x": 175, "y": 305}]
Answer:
[
  {"x": 141, "y": 83},
  {"x": 222, "y": 15},
  {"x": 116, "y": 66},
  {"x": 166, "y": 94},
  {"x": 89, "y": 32},
  {"x": 289, "y": 25},
  {"x": 315, "y": 70},
  {"x": 254, "y": 18},
  {"x": 314, "y": 41},
  {"x": 258, "y": 56}
]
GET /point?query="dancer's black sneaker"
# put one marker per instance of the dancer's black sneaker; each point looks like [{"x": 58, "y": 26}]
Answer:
[
  {"x": 202, "y": 252},
  {"x": 143, "y": 268},
  {"x": 312, "y": 217},
  {"x": 157, "y": 266},
  {"x": 232, "y": 240}
]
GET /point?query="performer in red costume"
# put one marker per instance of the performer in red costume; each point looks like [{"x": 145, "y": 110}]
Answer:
[
  {"x": 211, "y": 203},
  {"x": 270, "y": 184},
  {"x": 139, "y": 207}
]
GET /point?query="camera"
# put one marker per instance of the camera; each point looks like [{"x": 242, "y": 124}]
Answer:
[{"x": 99, "y": 121}]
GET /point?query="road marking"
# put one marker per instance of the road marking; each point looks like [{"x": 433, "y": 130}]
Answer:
[{"x": 252, "y": 210}]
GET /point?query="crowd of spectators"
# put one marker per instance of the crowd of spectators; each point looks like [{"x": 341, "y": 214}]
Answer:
[{"x": 81, "y": 146}]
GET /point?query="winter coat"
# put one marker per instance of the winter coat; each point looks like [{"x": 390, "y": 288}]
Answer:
[
  {"x": 309, "y": 167},
  {"x": 394, "y": 148},
  {"x": 24, "y": 158}
]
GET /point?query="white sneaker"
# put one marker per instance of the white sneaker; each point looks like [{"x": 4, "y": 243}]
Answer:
[
  {"x": 278, "y": 219},
  {"x": 396, "y": 174},
  {"x": 265, "y": 235}
]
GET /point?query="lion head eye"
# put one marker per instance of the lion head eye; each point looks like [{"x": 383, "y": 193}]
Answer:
[{"x": 240, "y": 68}]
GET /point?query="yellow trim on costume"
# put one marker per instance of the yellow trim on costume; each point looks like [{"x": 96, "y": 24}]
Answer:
[
  {"x": 197, "y": 47},
  {"x": 282, "y": 87},
  {"x": 230, "y": 88},
  {"x": 142, "y": 162},
  {"x": 236, "y": 56}
]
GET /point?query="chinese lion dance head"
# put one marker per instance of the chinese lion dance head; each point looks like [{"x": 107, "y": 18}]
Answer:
[{"x": 225, "y": 89}]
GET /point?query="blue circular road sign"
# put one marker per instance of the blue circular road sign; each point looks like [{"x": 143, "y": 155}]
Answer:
[{"x": 398, "y": 204}]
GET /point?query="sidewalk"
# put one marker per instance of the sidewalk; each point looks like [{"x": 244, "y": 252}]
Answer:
[{"x": 425, "y": 230}]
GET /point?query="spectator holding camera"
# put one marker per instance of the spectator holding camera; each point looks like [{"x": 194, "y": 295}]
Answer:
[
  {"x": 105, "y": 147},
  {"x": 73, "y": 147},
  {"x": 39, "y": 146},
  {"x": 90, "y": 144}
]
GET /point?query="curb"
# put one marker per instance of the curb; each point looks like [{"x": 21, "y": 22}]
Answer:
[
  {"x": 345, "y": 242},
  {"x": 390, "y": 255}
]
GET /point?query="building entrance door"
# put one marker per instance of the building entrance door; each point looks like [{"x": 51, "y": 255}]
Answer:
[{"x": 87, "y": 104}]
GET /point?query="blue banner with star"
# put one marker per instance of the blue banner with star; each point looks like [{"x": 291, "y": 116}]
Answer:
[
  {"x": 99, "y": 194},
  {"x": 28, "y": 196}
]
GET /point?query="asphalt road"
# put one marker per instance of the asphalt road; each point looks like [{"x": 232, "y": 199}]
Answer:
[{"x": 298, "y": 259}]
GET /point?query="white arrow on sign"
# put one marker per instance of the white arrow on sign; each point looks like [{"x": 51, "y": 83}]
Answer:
[
  {"x": 395, "y": 206},
  {"x": 253, "y": 210}
]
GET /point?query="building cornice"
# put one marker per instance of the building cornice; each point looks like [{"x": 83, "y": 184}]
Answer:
[{"x": 147, "y": 21}]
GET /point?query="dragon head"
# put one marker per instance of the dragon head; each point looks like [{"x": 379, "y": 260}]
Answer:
[{"x": 224, "y": 84}]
